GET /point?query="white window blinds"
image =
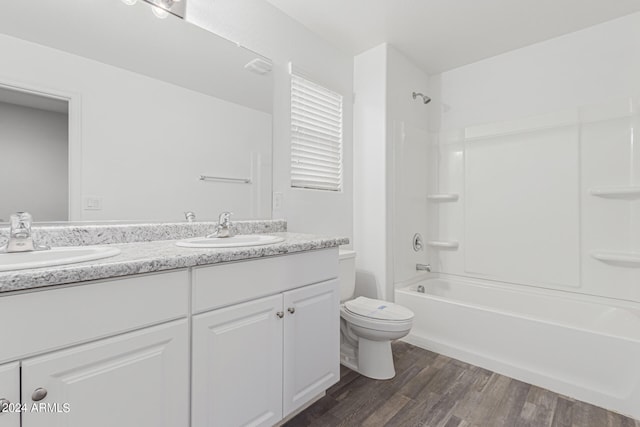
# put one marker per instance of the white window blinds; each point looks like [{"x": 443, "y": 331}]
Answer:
[{"x": 316, "y": 136}]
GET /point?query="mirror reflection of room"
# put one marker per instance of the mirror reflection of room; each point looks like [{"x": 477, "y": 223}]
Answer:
[{"x": 145, "y": 120}]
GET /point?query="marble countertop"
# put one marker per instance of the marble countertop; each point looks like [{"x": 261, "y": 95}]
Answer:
[
  {"x": 153, "y": 256},
  {"x": 110, "y": 232}
]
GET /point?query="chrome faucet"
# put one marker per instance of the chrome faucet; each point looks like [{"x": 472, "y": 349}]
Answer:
[
  {"x": 20, "y": 237},
  {"x": 423, "y": 267},
  {"x": 223, "y": 229}
]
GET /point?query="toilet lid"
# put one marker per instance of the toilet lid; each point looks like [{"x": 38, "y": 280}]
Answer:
[{"x": 377, "y": 309}]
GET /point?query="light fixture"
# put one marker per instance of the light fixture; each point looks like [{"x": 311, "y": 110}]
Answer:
[
  {"x": 162, "y": 8},
  {"x": 159, "y": 12}
]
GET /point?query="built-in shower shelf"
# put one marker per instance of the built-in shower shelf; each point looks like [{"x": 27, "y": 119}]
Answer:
[
  {"x": 626, "y": 192},
  {"x": 628, "y": 259},
  {"x": 443, "y": 197},
  {"x": 443, "y": 244}
]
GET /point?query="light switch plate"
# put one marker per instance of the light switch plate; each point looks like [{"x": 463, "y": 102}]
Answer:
[
  {"x": 92, "y": 203},
  {"x": 278, "y": 199}
]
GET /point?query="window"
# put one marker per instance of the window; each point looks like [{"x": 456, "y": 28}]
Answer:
[{"x": 316, "y": 136}]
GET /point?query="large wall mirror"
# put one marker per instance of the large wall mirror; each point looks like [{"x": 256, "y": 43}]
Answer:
[{"x": 109, "y": 111}]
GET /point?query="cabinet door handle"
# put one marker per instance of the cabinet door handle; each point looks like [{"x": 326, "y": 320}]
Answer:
[
  {"x": 291, "y": 310},
  {"x": 280, "y": 314},
  {"x": 39, "y": 394},
  {"x": 4, "y": 405}
]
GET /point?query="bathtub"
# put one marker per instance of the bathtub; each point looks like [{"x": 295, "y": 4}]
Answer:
[{"x": 584, "y": 347}]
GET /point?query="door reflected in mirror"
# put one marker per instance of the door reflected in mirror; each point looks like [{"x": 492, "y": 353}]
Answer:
[{"x": 34, "y": 142}]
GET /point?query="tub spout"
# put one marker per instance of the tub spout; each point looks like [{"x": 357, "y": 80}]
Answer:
[{"x": 423, "y": 267}]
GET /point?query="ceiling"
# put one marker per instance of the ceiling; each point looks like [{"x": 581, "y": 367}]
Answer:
[{"x": 439, "y": 35}]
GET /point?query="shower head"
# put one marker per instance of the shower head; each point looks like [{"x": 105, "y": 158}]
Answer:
[{"x": 425, "y": 98}]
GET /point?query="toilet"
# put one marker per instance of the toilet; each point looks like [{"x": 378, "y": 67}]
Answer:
[{"x": 367, "y": 326}]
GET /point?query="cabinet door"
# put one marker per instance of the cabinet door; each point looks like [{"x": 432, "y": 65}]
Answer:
[
  {"x": 10, "y": 394},
  {"x": 237, "y": 365},
  {"x": 134, "y": 380},
  {"x": 311, "y": 343}
]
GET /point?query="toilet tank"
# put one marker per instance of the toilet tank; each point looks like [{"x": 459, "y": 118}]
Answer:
[{"x": 347, "y": 275}]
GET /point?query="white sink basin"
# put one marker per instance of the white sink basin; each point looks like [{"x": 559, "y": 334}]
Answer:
[
  {"x": 230, "y": 242},
  {"x": 54, "y": 256}
]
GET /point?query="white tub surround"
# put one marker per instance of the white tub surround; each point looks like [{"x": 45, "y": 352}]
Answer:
[
  {"x": 547, "y": 183},
  {"x": 532, "y": 207},
  {"x": 581, "y": 346}
]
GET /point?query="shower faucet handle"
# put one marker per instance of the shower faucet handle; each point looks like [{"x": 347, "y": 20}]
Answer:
[{"x": 418, "y": 243}]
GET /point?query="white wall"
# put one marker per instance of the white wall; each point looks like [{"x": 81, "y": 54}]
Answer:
[
  {"x": 390, "y": 146},
  {"x": 371, "y": 234},
  {"x": 34, "y": 163},
  {"x": 260, "y": 26},
  {"x": 523, "y": 139},
  {"x": 144, "y": 142}
]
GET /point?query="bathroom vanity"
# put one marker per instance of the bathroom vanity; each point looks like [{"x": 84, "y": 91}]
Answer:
[{"x": 200, "y": 337}]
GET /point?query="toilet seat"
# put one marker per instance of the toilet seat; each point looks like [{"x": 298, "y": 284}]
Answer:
[
  {"x": 378, "y": 310},
  {"x": 377, "y": 315},
  {"x": 374, "y": 324}
]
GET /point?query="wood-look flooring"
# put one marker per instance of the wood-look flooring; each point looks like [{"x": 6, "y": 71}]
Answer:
[{"x": 435, "y": 390}]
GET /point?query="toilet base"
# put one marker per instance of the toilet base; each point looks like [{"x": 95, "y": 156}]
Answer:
[
  {"x": 365, "y": 344},
  {"x": 373, "y": 359}
]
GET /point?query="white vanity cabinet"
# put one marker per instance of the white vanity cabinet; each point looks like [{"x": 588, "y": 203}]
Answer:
[
  {"x": 10, "y": 394},
  {"x": 255, "y": 362},
  {"x": 237, "y": 365},
  {"x": 232, "y": 344},
  {"x": 135, "y": 379},
  {"x": 109, "y": 353},
  {"x": 311, "y": 343}
]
